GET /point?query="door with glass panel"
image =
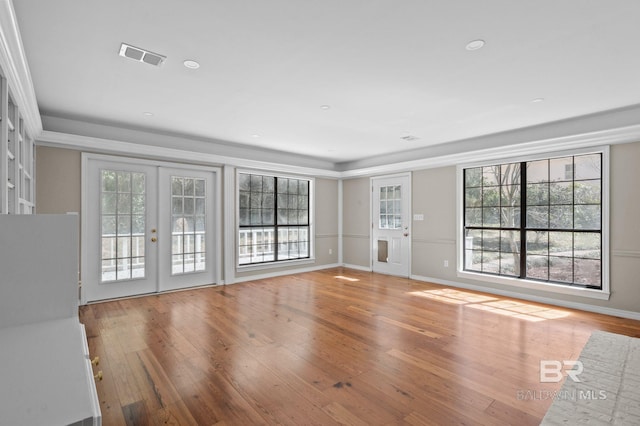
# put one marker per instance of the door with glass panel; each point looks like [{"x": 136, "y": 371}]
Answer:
[
  {"x": 390, "y": 223},
  {"x": 119, "y": 256},
  {"x": 145, "y": 229},
  {"x": 187, "y": 215}
]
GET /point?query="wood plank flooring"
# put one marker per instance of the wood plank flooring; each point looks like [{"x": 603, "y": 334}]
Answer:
[{"x": 337, "y": 346}]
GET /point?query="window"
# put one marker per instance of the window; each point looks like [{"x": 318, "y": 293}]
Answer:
[
  {"x": 273, "y": 219},
  {"x": 537, "y": 220}
]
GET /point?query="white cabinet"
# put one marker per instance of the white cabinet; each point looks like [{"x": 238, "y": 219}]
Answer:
[{"x": 46, "y": 376}]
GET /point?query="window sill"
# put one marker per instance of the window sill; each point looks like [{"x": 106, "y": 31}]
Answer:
[
  {"x": 274, "y": 265},
  {"x": 535, "y": 285}
]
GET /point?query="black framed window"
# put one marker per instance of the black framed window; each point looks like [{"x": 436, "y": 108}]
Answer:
[
  {"x": 537, "y": 220},
  {"x": 273, "y": 219}
]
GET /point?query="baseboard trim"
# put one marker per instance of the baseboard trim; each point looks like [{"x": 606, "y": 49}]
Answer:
[
  {"x": 356, "y": 267},
  {"x": 540, "y": 299},
  {"x": 275, "y": 274}
]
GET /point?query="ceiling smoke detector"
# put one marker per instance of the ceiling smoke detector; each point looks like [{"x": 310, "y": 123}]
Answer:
[{"x": 141, "y": 55}]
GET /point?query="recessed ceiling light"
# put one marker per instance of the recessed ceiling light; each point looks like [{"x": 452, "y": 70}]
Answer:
[
  {"x": 325, "y": 106},
  {"x": 255, "y": 136},
  {"x": 475, "y": 45},
  {"x": 148, "y": 114},
  {"x": 537, "y": 100},
  {"x": 192, "y": 65}
]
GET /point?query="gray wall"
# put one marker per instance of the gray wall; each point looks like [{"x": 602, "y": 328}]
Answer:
[
  {"x": 434, "y": 238},
  {"x": 326, "y": 221},
  {"x": 57, "y": 180},
  {"x": 356, "y": 225}
]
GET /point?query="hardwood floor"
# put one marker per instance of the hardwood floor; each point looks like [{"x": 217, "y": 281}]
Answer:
[{"x": 337, "y": 346}]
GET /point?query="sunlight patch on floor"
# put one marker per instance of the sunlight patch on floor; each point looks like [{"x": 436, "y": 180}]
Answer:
[
  {"x": 342, "y": 277},
  {"x": 506, "y": 307},
  {"x": 450, "y": 295}
]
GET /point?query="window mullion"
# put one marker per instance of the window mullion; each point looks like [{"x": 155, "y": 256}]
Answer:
[
  {"x": 275, "y": 218},
  {"x": 523, "y": 219}
]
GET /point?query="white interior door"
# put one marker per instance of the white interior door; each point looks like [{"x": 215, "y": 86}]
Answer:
[
  {"x": 146, "y": 228},
  {"x": 186, "y": 228},
  {"x": 391, "y": 225}
]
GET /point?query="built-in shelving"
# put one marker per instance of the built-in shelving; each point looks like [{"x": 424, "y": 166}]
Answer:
[{"x": 16, "y": 157}]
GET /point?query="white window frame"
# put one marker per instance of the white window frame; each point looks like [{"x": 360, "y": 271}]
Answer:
[
  {"x": 603, "y": 293},
  {"x": 236, "y": 238}
]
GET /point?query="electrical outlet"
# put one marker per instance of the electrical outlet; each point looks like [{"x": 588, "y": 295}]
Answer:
[{"x": 446, "y": 263}]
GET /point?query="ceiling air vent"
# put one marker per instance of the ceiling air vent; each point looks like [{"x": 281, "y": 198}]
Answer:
[{"x": 141, "y": 55}]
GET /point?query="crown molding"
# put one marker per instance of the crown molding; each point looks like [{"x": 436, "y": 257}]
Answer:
[
  {"x": 13, "y": 63},
  {"x": 614, "y": 136},
  {"x": 620, "y": 135},
  {"x": 110, "y": 146}
]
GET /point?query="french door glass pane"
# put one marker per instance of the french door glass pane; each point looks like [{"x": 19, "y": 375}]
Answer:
[
  {"x": 188, "y": 225},
  {"x": 122, "y": 200}
]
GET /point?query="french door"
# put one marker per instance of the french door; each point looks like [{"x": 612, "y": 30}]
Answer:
[
  {"x": 146, "y": 228},
  {"x": 391, "y": 225},
  {"x": 187, "y": 216}
]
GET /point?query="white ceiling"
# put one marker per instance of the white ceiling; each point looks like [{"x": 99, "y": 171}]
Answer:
[{"x": 387, "y": 69}]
